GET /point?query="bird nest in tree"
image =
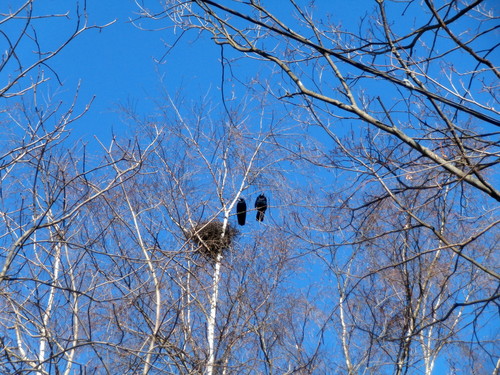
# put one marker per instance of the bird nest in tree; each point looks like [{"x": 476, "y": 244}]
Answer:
[{"x": 208, "y": 237}]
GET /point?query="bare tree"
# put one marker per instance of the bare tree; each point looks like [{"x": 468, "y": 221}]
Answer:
[
  {"x": 405, "y": 95},
  {"x": 205, "y": 167},
  {"x": 45, "y": 185},
  {"x": 163, "y": 297},
  {"x": 376, "y": 254}
]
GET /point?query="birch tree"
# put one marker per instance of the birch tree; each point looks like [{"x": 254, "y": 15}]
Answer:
[{"x": 397, "y": 107}]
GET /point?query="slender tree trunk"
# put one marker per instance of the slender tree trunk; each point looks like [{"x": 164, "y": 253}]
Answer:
[{"x": 212, "y": 317}]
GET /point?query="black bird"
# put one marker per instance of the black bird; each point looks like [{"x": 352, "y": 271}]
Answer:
[
  {"x": 241, "y": 211},
  {"x": 261, "y": 206}
]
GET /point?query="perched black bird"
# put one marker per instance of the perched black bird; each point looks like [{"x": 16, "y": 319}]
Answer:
[
  {"x": 261, "y": 206},
  {"x": 241, "y": 211}
]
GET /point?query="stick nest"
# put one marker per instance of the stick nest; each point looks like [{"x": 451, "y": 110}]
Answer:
[{"x": 208, "y": 237}]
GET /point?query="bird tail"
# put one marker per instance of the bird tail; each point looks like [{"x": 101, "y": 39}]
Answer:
[{"x": 260, "y": 216}]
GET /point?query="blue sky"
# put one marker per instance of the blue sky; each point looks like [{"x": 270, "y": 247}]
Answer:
[{"x": 118, "y": 64}]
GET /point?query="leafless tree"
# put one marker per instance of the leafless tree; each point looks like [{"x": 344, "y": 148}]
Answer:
[
  {"x": 45, "y": 183},
  {"x": 376, "y": 143},
  {"x": 405, "y": 95},
  {"x": 204, "y": 166},
  {"x": 99, "y": 271}
]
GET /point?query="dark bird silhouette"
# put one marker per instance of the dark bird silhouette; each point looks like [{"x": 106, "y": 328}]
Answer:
[
  {"x": 241, "y": 211},
  {"x": 261, "y": 206}
]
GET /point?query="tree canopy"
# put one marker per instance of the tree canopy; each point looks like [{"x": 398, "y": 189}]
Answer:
[{"x": 372, "y": 129}]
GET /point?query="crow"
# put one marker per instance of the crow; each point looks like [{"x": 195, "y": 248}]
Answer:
[
  {"x": 241, "y": 211},
  {"x": 261, "y": 206}
]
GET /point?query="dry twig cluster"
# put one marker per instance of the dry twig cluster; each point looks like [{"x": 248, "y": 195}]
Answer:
[{"x": 211, "y": 239}]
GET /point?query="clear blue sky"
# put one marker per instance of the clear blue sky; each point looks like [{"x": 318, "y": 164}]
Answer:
[{"x": 118, "y": 64}]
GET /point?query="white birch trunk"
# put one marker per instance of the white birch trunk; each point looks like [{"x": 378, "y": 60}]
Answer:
[{"x": 212, "y": 317}]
